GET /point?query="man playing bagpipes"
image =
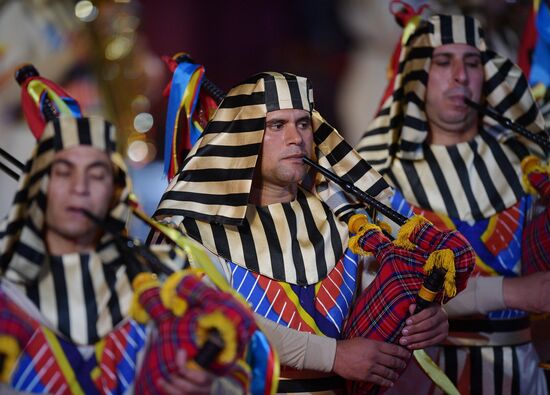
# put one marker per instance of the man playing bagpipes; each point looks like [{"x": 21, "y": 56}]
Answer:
[
  {"x": 464, "y": 171},
  {"x": 281, "y": 235},
  {"x": 80, "y": 310}
]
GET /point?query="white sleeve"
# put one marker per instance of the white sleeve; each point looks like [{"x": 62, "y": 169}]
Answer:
[
  {"x": 300, "y": 350},
  {"x": 482, "y": 295},
  {"x": 296, "y": 349}
]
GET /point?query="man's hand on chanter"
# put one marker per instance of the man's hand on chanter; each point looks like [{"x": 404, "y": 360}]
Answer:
[
  {"x": 187, "y": 380},
  {"x": 426, "y": 328}
]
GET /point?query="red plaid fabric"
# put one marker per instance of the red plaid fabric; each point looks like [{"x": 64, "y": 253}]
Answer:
[
  {"x": 184, "y": 332},
  {"x": 536, "y": 236},
  {"x": 380, "y": 311}
]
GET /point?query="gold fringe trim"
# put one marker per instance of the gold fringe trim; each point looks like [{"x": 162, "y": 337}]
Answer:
[
  {"x": 359, "y": 225},
  {"x": 443, "y": 259},
  {"x": 539, "y": 90},
  {"x": 356, "y": 222},
  {"x": 408, "y": 228},
  {"x": 10, "y": 348},
  {"x": 141, "y": 283},
  {"x": 168, "y": 294},
  {"x": 532, "y": 164},
  {"x": 227, "y": 330},
  {"x": 385, "y": 227}
]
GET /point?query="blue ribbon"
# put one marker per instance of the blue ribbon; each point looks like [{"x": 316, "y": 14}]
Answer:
[{"x": 180, "y": 81}]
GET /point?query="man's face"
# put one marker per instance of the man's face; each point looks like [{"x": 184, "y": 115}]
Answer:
[
  {"x": 456, "y": 72},
  {"x": 288, "y": 137},
  {"x": 81, "y": 178}
]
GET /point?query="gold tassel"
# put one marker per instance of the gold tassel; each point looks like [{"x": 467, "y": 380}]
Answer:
[
  {"x": 385, "y": 227},
  {"x": 407, "y": 230},
  {"x": 354, "y": 246},
  {"x": 530, "y": 164},
  {"x": 357, "y": 222},
  {"x": 141, "y": 283},
  {"x": 226, "y": 329},
  {"x": 168, "y": 295},
  {"x": 10, "y": 350},
  {"x": 443, "y": 259},
  {"x": 359, "y": 225}
]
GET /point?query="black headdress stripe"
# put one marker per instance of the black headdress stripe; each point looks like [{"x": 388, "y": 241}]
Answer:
[
  {"x": 530, "y": 116},
  {"x": 32, "y": 256},
  {"x": 220, "y": 239},
  {"x": 109, "y": 272},
  {"x": 517, "y": 148},
  {"x": 416, "y": 184},
  {"x": 373, "y": 148},
  {"x": 249, "y": 253},
  {"x": 228, "y": 151},
  {"x": 236, "y": 126},
  {"x": 110, "y": 142},
  {"x": 446, "y": 27},
  {"x": 504, "y": 165},
  {"x": 484, "y": 175},
  {"x": 207, "y": 175},
  {"x": 57, "y": 137},
  {"x": 48, "y": 144},
  {"x": 203, "y": 198},
  {"x": 61, "y": 296},
  {"x": 513, "y": 97},
  {"x": 237, "y": 101},
  {"x": 294, "y": 91},
  {"x": 275, "y": 250},
  {"x": 317, "y": 240},
  {"x": 338, "y": 153},
  {"x": 440, "y": 181},
  {"x": 322, "y": 133},
  {"x": 168, "y": 212},
  {"x": 297, "y": 258},
  {"x": 271, "y": 94},
  {"x": 376, "y": 188},
  {"x": 192, "y": 229},
  {"x": 335, "y": 236},
  {"x": 84, "y": 131},
  {"x": 89, "y": 297},
  {"x": 470, "y": 30},
  {"x": 463, "y": 175},
  {"x": 498, "y": 78}
]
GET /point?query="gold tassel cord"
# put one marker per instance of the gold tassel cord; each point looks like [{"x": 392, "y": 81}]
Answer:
[
  {"x": 443, "y": 259},
  {"x": 411, "y": 226},
  {"x": 532, "y": 164},
  {"x": 141, "y": 283},
  {"x": 359, "y": 225}
]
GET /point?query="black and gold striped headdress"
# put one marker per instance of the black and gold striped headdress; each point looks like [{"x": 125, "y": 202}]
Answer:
[
  {"x": 396, "y": 141},
  {"x": 213, "y": 188},
  {"x": 216, "y": 177},
  {"x": 73, "y": 291}
]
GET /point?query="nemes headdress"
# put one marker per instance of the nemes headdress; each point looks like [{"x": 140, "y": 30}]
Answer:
[
  {"x": 396, "y": 141},
  {"x": 214, "y": 184},
  {"x": 216, "y": 177},
  {"x": 23, "y": 254},
  {"x": 22, "y": 248}
]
